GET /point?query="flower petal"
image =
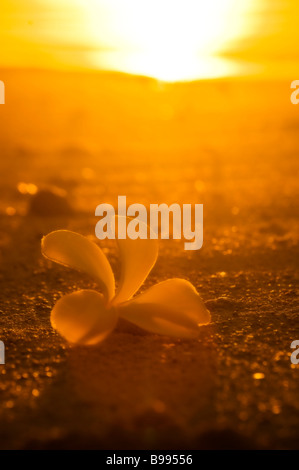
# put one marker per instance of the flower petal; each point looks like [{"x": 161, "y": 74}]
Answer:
[
  {"x": 76, "y": 251},
  {"x": 137, "y": 260},
  {"x": 81, "y": 317},
  {"x": 172, "y": 308}
]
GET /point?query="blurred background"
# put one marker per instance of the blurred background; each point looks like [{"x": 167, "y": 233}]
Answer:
[
  {"x": 161, "y": 101},
  {"x": 143, "y": 81}
]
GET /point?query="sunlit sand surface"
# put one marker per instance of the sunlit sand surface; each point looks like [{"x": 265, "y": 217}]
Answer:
[{"x": 231, "y": 145}]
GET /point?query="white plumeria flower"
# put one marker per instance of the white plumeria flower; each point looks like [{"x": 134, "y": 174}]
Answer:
[{"x": 171, "y": 307}]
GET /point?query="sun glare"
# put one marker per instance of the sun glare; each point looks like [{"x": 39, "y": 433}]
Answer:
[{"x": 166, "y": 39}]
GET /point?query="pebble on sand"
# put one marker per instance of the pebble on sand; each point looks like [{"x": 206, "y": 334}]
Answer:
[{"x": 50, "y": 202}]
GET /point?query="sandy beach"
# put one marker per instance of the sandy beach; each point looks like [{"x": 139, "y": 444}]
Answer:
[{"x": 82, "y": 139}]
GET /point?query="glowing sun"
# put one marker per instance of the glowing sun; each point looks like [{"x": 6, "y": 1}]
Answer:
[{"x": 167, "y": 39}]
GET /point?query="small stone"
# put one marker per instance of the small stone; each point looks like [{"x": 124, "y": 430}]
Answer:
[
  {"x": 50, "y": 202},
  {"x": 258, "y": 376}
]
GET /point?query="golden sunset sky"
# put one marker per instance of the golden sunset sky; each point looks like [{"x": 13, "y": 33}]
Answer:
[{"x": 166, "y": 39}]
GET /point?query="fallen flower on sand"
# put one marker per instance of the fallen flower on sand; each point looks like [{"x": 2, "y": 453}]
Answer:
[{"x": 171, "y": 307}]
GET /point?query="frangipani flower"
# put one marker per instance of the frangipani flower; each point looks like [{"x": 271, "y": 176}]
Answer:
[{"x": 171, "y": 307}]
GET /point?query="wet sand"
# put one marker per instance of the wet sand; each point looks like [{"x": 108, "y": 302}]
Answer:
[{"x": 230, "y": 145}]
